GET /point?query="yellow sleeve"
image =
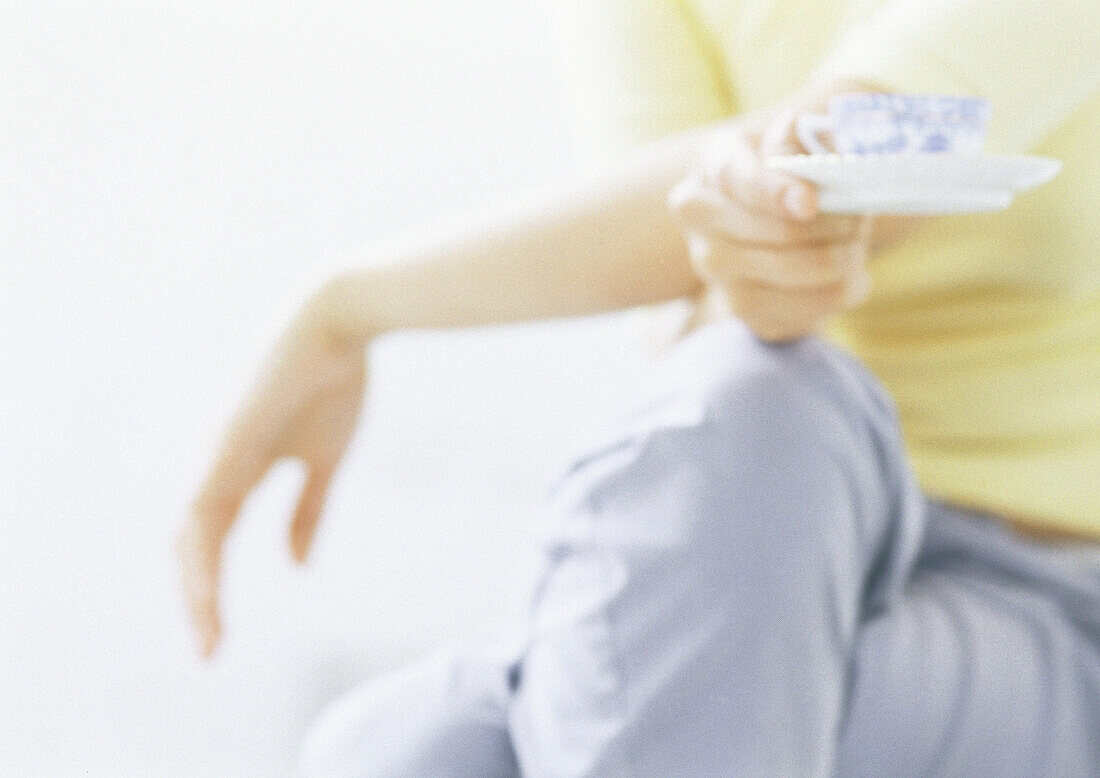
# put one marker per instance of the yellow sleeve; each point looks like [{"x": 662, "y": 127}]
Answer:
[
  {"x": 632, "y": 71},
  {"x": 1036, "y": 61}
]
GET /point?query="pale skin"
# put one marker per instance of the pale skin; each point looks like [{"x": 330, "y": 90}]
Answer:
[{"x": 695, "y": 215}]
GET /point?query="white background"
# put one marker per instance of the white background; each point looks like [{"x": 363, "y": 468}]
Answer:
[{"x": 174, "y": 180}]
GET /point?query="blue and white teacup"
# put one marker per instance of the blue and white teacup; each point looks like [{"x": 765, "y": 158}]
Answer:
[{"x": 862, "y": 123}]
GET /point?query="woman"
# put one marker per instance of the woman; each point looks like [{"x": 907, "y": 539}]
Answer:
[{"x": 752, "y": 575}]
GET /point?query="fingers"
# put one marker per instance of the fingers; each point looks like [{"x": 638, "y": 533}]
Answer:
[
  {"x": 199, "y": 546},
  {"x": 779, "y": 137},
  {"x": 784, "y": 294},
  {"x": 308, "y": 513},
  {"x": 758, "y": 234},
  {"x": 768, "y": 192},
  {"x": 198, "y": 551},
  {"x": 735, "y": 167},
  {"x": 698, "y": 204},
  {"x": 779, "y": 194},
  {"x": 774, "y": 194}
]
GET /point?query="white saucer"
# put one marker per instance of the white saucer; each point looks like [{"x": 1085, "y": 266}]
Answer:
[{"x": 917, "y": 183}]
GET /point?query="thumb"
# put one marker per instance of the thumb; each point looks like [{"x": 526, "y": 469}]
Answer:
[
  {"x": 799, "y": 198},
  {"x": 308, "y": 512}
]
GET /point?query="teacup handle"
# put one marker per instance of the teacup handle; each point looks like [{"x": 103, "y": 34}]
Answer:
[{"x": 808, "y": 127}]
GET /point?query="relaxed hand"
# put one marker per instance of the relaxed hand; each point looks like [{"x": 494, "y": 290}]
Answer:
[
  {"x": 756, "y": 234},
  {"x": 305, "y": 406}
]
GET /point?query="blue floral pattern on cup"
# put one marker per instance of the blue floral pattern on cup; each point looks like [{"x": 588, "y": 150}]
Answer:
[{"x": 898, "y": 124}]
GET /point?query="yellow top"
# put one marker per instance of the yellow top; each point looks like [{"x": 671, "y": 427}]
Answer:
[{"x": 985, "y": 328}]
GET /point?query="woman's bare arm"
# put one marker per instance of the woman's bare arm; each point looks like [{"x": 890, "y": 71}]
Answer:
[
  {"x": 593, "y": 241},
  {"x": 598, "y": 240}
]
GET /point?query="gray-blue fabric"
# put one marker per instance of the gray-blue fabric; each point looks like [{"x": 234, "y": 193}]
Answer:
[{"x": 742, "y": 578}]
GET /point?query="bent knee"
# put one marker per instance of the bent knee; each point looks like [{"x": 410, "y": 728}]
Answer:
[
  {"x": 721, "y": 386},
  {"x": 726, "y": 368},
  {"x": 734, "y": 436}
]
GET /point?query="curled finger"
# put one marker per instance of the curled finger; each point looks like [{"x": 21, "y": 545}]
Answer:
[
  {"x": 199, "y": 556},
  {"x": 698, "y": 203}
]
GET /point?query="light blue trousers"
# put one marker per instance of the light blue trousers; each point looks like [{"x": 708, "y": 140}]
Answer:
[{"x": 742, "y": 579}]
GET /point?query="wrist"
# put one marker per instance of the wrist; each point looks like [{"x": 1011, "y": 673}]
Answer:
[{"x": 338, "y": 313}]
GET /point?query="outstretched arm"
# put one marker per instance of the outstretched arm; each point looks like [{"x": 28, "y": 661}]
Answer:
[
  {"x": 639, "y": 76},
  {"x": 594, "y": 241}
]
